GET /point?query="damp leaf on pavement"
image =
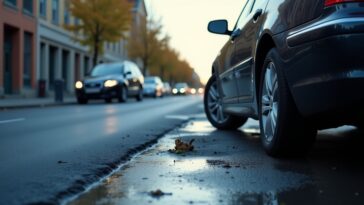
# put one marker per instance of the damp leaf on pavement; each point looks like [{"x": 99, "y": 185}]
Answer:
[
  {"x": 182, "y": 147},
  {"x": 158, "y": 193}
]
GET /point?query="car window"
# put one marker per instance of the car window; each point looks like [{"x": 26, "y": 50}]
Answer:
[
  {"x": 257, "y": 4},
  {"x": 246, "y": 11},
  {"x": 107, "y": 69},
  {"x": 150, "y": 80},
  {"x": 181, "y": 85},
  {"x": 127, "y": 68},
  {"x": 136, "y": 70}
]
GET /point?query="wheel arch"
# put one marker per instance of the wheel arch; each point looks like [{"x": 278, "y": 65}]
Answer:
[
  {"x": 125, "y": 83},
  {"x": 265, "y": 43}
]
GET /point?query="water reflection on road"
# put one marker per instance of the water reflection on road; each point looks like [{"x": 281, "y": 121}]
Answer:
[{"x": 231, "y": 168}]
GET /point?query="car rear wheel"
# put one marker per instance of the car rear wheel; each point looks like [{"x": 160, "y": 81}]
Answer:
[
  {"x": 123, "y": 95},
  {"x": 283, "y": 131},
  {"x": 139, "y": 97},
  {"x": 82, "y": 100},
  {"x": 214, "y": 109},
  {"x": 108, "y": 100}
]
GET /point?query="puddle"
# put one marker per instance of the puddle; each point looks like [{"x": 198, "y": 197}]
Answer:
[
  {"x": 189, "y": 165},
  {"x": 236, "y": 177}
]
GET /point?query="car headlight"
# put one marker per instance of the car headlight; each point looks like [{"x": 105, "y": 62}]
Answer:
[
  {"x": 110, "y": 83},
  {"x": 79, "y": 85},
  {"x": 174, "y": 91},
  {"x": 193, "y": 91},
  {"x": 182, "y": 90}
]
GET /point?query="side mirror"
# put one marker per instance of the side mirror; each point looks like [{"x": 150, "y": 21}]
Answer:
[
  {"x": 219, "y": 27},
  {"x": 127, "y": 73}
]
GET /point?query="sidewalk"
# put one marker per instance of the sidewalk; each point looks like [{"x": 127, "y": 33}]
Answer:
[{"x": 12, "y": 103}]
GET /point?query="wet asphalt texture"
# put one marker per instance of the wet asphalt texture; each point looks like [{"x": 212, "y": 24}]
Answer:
[
  {"x": 230, "y": 167},
  {"x": 49, "y": 154}
]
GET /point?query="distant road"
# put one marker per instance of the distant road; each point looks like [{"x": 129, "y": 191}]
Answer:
[{"x": 49, "y": 153}]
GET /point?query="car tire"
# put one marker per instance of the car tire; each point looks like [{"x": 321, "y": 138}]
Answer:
[
  {"x": 123, "y": 94},
  {"x": 283, "y": 131},
  {"x": 139, "y": 97},
  {"x": 108, "y": 100},
  {"x": 82, "y": 101},
  {"x": 214, "y": 112}
]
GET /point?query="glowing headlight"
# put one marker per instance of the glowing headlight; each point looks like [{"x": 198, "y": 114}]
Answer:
[
  {"x": 79, "y": 85},
  {"x": 174, "y": 91},
  {"x": 193, "y": 91},
  {"x": 110, "y": 83},
  {"x": 182, "y": 90},
  {"x": 200, "y": 90}
]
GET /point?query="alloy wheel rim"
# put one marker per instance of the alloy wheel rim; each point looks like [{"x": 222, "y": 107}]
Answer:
[
  {"x": 269, "y": 105},
  {"x": 214, "y": 103}
]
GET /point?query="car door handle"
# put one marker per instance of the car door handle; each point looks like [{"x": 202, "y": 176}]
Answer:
[{"x": 257, "y": 14}]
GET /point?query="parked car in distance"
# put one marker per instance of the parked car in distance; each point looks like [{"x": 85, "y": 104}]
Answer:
[
  {"x": 180, "y": 89},
  {"x": 297, "y": 66},
  {"x": 200, "y": 91},
  {"x": 111, "y": 80},
  {"x": 167, "y": 90},
  {"x": 153, "y": 86}
]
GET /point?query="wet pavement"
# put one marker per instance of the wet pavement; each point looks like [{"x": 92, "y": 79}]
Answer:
[
  {"x": 231, "y": 168},
  {"x": 49, "y": 154}
]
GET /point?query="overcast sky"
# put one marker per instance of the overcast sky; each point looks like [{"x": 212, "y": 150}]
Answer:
[{"x": 186, "y": 23}]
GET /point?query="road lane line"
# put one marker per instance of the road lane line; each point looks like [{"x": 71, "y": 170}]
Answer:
[{"x": 12, "y": 120}]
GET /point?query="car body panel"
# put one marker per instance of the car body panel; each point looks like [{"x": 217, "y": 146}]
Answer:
[{"x": 321, "y": 50}]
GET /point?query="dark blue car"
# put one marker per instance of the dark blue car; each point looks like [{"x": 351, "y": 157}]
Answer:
[{"x": 296, "y": 65}]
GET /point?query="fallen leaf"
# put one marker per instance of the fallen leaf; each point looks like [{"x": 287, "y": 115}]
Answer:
[
  {"x": 158, "y": 193},
  {"x": 182, "y": 147}
]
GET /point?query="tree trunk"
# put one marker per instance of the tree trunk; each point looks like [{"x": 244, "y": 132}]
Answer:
[
  {"x": 96, "y": 46},
  {"x": 145, "y": 66},
  {"x": 95, "y": 56},
  {"x": 161, "y": 72}
]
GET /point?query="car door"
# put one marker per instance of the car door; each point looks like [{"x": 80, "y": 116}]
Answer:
[
  {"x": 228, "y": 89},
  {"x": 133, "y": 80},
  {"x": 245, "y": 34},
  {"x": 128, "y": 75},
  {"x": 228, "y": 63}
]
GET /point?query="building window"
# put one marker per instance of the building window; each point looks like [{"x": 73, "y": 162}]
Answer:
[
  {"x": 27, "y": 66},
  {"x": 66, "y": 19},
  {"x": 11, "y": 2},
  {"x": 85, "y": 66},
  {"x": 28, "y": 6},
  {"x": 55, "y": 11},
  {"x": 42, "y": 8}
]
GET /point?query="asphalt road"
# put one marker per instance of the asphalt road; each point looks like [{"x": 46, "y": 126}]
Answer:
[
  {"x": 230, "y": 167},
  {"x": 48, "y": 154}
]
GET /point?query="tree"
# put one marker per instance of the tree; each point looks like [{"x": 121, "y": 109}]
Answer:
[
  {"x": 151, "y": 46},
  {"x": 102, "y": 21},
  {"x": 146, "y": 43}
]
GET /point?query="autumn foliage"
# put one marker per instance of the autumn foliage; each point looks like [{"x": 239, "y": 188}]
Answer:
[
  {"x": 102, "y": 21},
  {"x": 148, "y": 44}
]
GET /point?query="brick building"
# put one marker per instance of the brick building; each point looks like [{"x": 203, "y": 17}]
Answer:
[{"x": 18, "y": 47}]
